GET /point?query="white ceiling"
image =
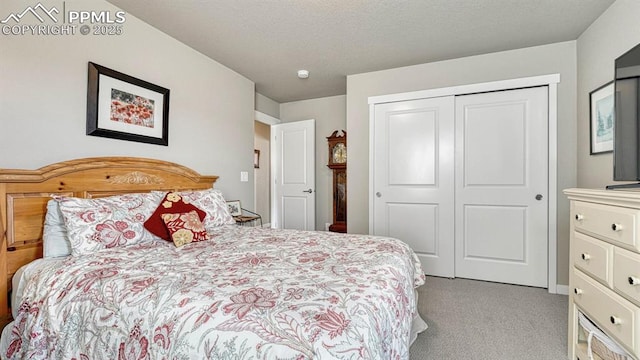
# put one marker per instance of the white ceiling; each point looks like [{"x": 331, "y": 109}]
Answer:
[{"x": 267, "y": 41}]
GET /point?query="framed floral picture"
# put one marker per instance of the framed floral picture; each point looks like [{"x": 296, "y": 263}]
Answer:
[
  {"x": 122, "y": 107},
  {"x": 234, "y": 207},
  {"x": 601, "y": 118}
]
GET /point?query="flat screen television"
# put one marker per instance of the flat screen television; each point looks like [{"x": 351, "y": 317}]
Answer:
[{"x": 626, "y": 140}]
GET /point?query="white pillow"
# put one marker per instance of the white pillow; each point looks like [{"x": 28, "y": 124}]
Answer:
[
  {"x": 55, "y": 238},
  {"x": 96, "y": 224}
]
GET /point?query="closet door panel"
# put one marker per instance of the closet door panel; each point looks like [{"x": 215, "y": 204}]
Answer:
[
  {"x": 495, "y": 145},
  {"x": 413, "y": 178},
  {"x": 415, "y": 224},
  {"x": 483, "y": 242},
  {"x": 501, "y": 186},
  {"x": 412, "y": 138}
]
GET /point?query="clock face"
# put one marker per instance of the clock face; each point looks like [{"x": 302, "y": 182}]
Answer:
[{"x": 339, "y": 153}]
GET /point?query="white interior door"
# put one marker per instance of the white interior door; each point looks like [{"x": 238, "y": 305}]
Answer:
[
  {"x": 293, "y": 175},
  {"x": 501, "y": 186},
  {"x": 413, "y": 178}
]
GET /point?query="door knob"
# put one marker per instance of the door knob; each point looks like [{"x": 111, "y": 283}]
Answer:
[
  {"x": 539, "y": 197},
  {"x": 378, "y": 194},
  {"x": 308, "y": 191}
]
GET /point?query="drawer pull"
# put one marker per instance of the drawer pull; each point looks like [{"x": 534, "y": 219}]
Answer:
[
  {"x": 616, "y": 227},
  {"x": 633, "y": 280},
  {"x": 578, "y": 291},
  {"x": 585, "y": 256},
  {"x": 615, "y": 320},
  {"x": 579, "y": 217}
]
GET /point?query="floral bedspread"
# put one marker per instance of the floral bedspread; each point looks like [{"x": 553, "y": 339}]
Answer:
[{"x": 249, "y": 293}]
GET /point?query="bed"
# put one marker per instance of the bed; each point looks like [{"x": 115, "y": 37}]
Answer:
[{"x": 245, "y": 293}]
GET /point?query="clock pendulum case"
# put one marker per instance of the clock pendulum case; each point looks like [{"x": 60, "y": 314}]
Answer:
[{"x": 338, "y": 163}]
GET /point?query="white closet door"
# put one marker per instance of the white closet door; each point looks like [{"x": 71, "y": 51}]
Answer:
[
  {"x": 413, "y": 178},
  {"x": 501, "y": 186}
]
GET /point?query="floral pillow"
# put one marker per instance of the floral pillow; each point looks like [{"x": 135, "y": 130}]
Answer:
[
  {"x": 213, "y": 204},
  {"x": 171, "y": 203},
  {"x": 102, "y": 223},
  {"x": 185, "y": 228}
]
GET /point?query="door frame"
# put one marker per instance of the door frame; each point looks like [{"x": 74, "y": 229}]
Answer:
[
  {"x": 268, "y": 120},
  {"x": 551, "y": 81}
]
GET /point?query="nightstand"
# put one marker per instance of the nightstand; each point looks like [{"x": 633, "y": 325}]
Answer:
[{"x": 247, "y": 219}]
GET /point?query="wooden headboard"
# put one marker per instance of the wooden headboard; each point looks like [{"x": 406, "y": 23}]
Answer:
[{"x": 24, "y": 195}]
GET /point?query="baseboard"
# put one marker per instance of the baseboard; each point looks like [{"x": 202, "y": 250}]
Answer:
[{"x": 562, "y": 289}]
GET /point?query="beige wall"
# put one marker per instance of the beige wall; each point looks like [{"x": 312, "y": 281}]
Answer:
[
  {"x": 611, "y": 35},
  {"x": 43, "y": 90},
  {"x": 267, "y": 106},
  {"x": 329, "y": 113},
  {"x": 541, "y": 60},
  {"x": 262, "y": 141}
]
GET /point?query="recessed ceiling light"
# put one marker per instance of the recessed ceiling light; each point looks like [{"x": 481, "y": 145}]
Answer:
[{"x": 303, "y": 74}]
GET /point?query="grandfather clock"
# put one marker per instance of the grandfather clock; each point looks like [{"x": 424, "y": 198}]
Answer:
[{"x": 338, "y": 163}]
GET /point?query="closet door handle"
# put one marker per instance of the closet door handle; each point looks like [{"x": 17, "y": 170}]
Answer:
[
  {"x": 378, "y": 194},
  {"x": 539, "y": 197}
]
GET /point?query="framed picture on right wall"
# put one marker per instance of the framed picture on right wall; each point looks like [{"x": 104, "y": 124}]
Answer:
[{"x": 601, "y": 118}]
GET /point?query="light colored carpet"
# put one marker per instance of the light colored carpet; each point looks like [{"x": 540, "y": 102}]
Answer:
[{"x": 477, "y": 320}]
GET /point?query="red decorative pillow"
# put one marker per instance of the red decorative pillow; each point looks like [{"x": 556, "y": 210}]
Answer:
[
  {"x": 185, "y": 227},
  {"x": 172, "y": 203}
]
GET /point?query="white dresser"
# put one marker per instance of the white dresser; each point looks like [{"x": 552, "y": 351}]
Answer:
[{"x": 604, "y": 278}]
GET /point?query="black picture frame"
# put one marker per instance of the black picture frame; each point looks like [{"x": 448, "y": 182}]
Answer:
[
  {"x": 601, "y": 113},
  {"x": 120, "y": 106},
  {"x": 256, "y": 159}
]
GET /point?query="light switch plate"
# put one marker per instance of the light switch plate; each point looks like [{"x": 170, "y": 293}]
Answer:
[{"x": 244, "y": 176}]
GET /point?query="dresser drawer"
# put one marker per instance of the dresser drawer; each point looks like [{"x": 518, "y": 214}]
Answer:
[
  {"x": 615, "y": 315},
  {"x": 592, "y": 256},
  {"x": 626, "y": 275},
  {"x": 617, "y": 224}
]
